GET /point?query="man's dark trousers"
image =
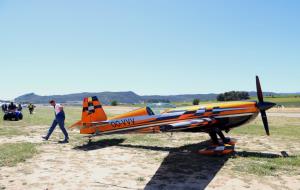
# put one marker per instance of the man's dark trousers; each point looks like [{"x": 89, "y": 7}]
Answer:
[{"x": 60, "y": 120}]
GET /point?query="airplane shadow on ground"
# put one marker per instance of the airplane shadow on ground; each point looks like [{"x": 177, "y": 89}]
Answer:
[
  {"x": 183, "y": 168},
  {"x": 99, "y": 144}
]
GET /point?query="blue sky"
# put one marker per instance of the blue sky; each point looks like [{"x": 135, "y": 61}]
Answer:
[{"x": 149, "y": 47}]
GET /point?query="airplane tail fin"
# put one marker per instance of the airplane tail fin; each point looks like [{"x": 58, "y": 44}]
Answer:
[{"x": 92, "y": 112}]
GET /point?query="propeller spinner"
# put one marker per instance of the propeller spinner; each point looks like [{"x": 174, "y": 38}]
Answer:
[{"x": 263, "y": 106}]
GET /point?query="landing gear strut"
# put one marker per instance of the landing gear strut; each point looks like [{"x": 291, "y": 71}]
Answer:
[
  {"x": 213, "y": 135},
  {"x": 90, "y": 140}
]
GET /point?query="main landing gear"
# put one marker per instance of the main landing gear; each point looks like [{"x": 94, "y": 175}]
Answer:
[
  {"x": 213, "y": 135},
  {"x": 90, "y": 140},
  {"x": 222, "y": 146}
]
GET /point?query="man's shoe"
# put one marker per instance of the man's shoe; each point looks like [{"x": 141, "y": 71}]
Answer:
[
  {"x": 64, "y": 141},
  {"x": 45, "y": 138}
]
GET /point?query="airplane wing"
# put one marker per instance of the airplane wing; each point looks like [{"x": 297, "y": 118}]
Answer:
[
  {"x": 169, "y": 126},
  {"x": 189, "y": 124}
]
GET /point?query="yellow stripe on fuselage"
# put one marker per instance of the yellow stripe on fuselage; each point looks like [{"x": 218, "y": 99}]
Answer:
[{"x": 213, "y": 105}]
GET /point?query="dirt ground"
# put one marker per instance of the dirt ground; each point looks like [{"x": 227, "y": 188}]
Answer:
[{"x": 115, "y": 164}]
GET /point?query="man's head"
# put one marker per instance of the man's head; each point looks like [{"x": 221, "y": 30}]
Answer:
[{"x": 52, "y": 102}]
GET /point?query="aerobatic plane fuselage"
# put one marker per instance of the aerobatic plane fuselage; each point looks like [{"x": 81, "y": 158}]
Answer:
[{"x": 211, "y": 118}]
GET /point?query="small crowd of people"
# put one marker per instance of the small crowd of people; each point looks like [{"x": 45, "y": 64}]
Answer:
[{"x": 12, "y": 107}]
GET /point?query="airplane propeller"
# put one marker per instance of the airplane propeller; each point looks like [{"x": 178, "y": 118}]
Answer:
[{"x": 263, "y": 106}]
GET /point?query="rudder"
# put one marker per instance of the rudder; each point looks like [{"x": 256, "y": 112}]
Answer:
[{"x": 92, "y": 110}]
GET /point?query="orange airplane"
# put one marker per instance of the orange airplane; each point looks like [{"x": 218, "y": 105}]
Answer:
[{"x": 210, "y": 118}]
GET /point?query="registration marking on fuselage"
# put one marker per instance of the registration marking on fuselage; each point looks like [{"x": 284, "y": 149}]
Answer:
[{"x": 122, "y": 123}]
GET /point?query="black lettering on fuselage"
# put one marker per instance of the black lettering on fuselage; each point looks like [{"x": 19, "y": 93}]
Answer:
[{"x": 122, "y": 123}]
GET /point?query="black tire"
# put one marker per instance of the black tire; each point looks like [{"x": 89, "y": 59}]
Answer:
[
  {"x": 20, "y": 116},
  {"x": 5, "y": 117}
]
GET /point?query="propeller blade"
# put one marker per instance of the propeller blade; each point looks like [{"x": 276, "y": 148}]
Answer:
[
  {"x": 265, "y": 121},
  {"x": 259, "y": 91}
]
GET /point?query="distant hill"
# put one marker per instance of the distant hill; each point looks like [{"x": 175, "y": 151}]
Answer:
[
  {"x": 105, "y": 97},
  {"x": 128, "y": 97},
  {"x": 4, "y": 101},
  {"x": 181, "y": 98}
]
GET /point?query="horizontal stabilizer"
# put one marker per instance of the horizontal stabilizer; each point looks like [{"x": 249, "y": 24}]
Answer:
[
  {"x": 91, "y": 124},
  {"x": 77, "y": 124}
]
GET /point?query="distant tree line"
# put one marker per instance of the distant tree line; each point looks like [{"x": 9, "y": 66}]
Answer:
[
  {"x": 158, "y": 101},
  {"x": 114, "y": 103},
  {"x": 196, "y": 101},
  {"x": 233, "y": 95}
]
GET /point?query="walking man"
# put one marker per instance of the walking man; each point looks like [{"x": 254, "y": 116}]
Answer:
[{"x": 60, "y": 120}]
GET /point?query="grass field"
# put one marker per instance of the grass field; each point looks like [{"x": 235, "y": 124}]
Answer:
[
  {"x": 286, "y": 101},
  {"x": 281, "y": 127},
  {"x": 43, "y": 116},
  {"x": 261, "y": 166},
  {"x": 11, "y": 154}
]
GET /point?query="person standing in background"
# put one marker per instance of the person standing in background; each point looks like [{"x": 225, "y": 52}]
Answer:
[
  {"x": 4, "y": 107},
  {"x": 31, "y": 108},
  {"x": 20, "y": 107}
]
